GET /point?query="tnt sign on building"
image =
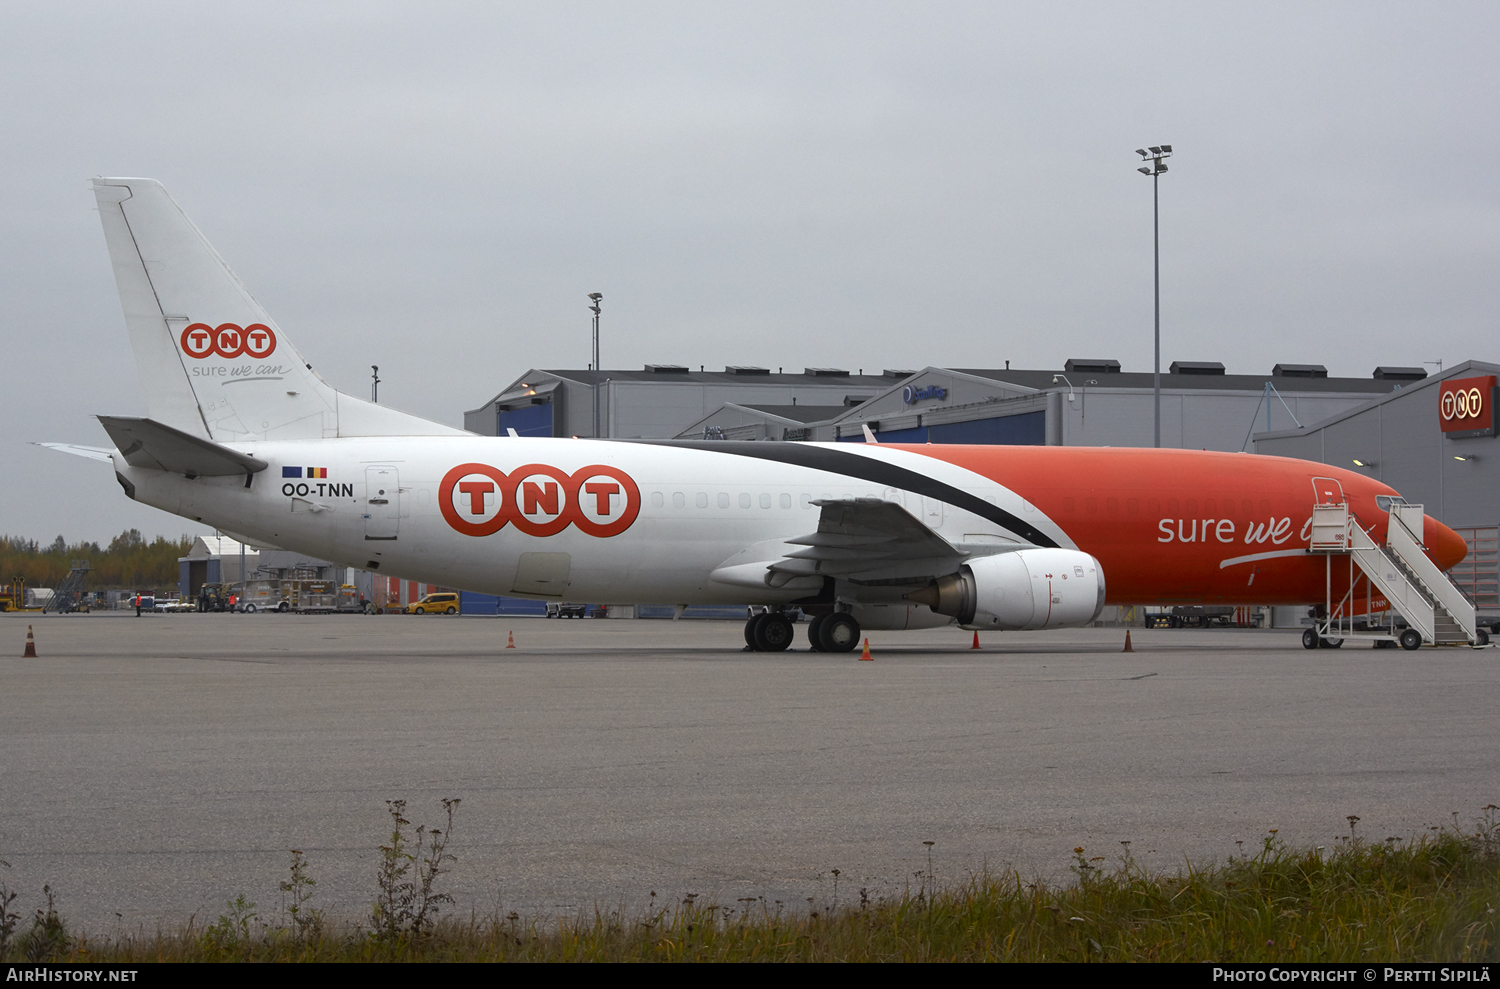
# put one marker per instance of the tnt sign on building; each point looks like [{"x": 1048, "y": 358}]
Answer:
[{"x": 1466, "y": 407}]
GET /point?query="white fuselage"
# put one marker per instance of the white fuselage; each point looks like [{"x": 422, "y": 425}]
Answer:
[{"x": 706, "y": 524}]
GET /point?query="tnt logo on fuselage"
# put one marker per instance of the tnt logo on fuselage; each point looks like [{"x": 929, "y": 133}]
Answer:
[
  {"x": 201, "y": 341},
  {"x": 480, "y": 500}
]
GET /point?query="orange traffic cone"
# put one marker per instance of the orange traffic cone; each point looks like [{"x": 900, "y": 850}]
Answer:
[
  {"x": 30, "y": 652},
  {"x": 511, "y": 643},
  {"x": 976, "y": 641},
  {"x": 1127, "y": 642},
  {"x": 865, "y": 657}
]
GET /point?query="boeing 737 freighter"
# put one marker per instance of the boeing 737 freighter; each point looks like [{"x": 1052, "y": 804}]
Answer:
[{"x": 243, "y": 435}]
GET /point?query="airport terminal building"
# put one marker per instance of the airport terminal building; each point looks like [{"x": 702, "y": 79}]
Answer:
[{"x": 1400, "y": 424}]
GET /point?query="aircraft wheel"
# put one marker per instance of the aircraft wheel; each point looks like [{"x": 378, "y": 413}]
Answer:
[
  {"x": 839, "y": 632},
  {"x": 1309, "y": 639},
  {"x": 1411, "y": 639},
  {"x": 774, "y": 633},
  {"x": 750, "y": 626},
  {"x": 813, "y": 629}
]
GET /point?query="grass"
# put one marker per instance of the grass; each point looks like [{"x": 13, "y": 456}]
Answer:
[{"x": 1433, "y": 898}]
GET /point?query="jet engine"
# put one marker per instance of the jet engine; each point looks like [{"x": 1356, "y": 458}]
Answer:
[{"x": 1027, "y": 589}]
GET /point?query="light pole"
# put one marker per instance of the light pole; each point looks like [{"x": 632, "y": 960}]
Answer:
[
  {"x": 598, "y": 370},
  {"x": 375, "y": 383},
  {"x": 1157, "y": 166}
]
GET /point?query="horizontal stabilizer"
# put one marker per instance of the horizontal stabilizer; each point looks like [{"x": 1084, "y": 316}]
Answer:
[
  {"x": 91, "y": 452},
  {"x": 144, "y": 443}
]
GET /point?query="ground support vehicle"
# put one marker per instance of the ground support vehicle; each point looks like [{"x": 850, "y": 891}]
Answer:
[
  {"x": 215, "y": 597},
  {"x": 557, "y": 609},
  {"x": 350, "y": 601},
  {"x": 436, "y": 603},
  {"x": 311, "y": 596},
  {"x": 1204, "y": 616},
  {"x": 13, "y": 595},
  {"x": 287, "y": 594}
]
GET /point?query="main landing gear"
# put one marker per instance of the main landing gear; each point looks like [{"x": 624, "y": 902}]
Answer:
[
  {"x": 773, "y": 631},
  {"x": 769, "y": 631}
]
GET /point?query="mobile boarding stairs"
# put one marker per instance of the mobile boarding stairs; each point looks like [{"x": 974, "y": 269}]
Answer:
[{"x": 1435, "y": 610}]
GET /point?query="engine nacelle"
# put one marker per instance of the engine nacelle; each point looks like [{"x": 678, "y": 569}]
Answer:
[{"x": 1027, "y": 589}]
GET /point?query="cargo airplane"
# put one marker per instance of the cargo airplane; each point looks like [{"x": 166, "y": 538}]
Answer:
[{"x": 243, "y": 435}]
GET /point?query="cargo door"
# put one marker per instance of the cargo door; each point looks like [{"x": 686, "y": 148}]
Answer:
[{"x": 382, "y": 502}]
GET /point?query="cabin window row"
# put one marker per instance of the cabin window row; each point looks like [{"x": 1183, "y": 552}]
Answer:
[
  {"x": 724, "y": 499},
  {"x": 1231, "y": 507}
]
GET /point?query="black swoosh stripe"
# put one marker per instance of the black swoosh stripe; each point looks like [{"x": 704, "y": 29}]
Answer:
[{"x": 868, "y": 469}]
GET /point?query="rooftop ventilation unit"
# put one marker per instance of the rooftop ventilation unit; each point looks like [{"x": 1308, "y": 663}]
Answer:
[
  {"x": 1383, "y": 373},
  {"x": 1092, "y": 366},
  {"x": 895, "y": 373},
  {"x": 667, "y": 368},
  {"x": 1196, "y": 367},
  {"x": 1299, "y": 371},
  {"x": 826, "y": 372},
  {"x": 746, "y": 369}
]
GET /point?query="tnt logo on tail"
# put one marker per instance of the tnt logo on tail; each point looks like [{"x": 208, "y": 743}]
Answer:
[
  {"x": 539, "y": 500},
  {"x": 201, "y": 341}
]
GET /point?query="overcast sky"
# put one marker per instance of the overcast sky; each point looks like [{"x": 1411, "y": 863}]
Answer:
[{"x": 434, "y": 188}]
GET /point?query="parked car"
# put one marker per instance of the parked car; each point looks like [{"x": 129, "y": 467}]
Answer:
[{"x": 437, "y": 603}]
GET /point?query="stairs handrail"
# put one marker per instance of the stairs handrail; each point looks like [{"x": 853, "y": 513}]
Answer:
[{"x": 1436, "y": 584}]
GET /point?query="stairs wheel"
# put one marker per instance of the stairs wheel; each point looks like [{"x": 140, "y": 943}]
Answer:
[
  {"x": 1411, "y": 639},
  {"x": 1309, "y": 639}
]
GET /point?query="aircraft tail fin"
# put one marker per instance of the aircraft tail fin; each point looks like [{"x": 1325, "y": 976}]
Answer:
[{"x": 212, "y": 361}]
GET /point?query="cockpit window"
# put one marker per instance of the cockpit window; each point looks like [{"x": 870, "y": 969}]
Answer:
[{"x": 1384, "y": 502}]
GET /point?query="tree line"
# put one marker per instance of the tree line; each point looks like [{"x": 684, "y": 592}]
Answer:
[{"x": 129, "y": 562}]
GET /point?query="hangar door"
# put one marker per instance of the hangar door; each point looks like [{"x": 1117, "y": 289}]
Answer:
[{"x": 532, "y": 420}]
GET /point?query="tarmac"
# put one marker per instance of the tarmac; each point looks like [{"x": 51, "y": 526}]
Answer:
[{"x": 155, "y": 767}]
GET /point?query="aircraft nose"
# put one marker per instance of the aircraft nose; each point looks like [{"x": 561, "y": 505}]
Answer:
[{"x": 1446, "y": 547}]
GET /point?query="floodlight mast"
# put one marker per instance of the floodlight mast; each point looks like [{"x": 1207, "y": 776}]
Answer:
[
  {"x": 1157, "y": 166},
  {"x": 595, "y": 297}
]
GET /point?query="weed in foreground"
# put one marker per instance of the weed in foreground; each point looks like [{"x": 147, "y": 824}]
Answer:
[
  {"x": 8, "y": 918},
  {"x": 1432, "y": 898},
  {"x": 48, "y": 938},
  {"x": 302, "y": 920},
  {"x": 408, "y": 906}
]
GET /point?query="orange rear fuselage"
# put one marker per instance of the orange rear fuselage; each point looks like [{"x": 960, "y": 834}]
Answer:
[{"x": 1189, "y": 526}]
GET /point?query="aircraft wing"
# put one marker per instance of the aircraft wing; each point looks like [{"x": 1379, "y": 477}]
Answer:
[
  {"x": 149, "y": 444},
  {"x": 868, "y": 539}
]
